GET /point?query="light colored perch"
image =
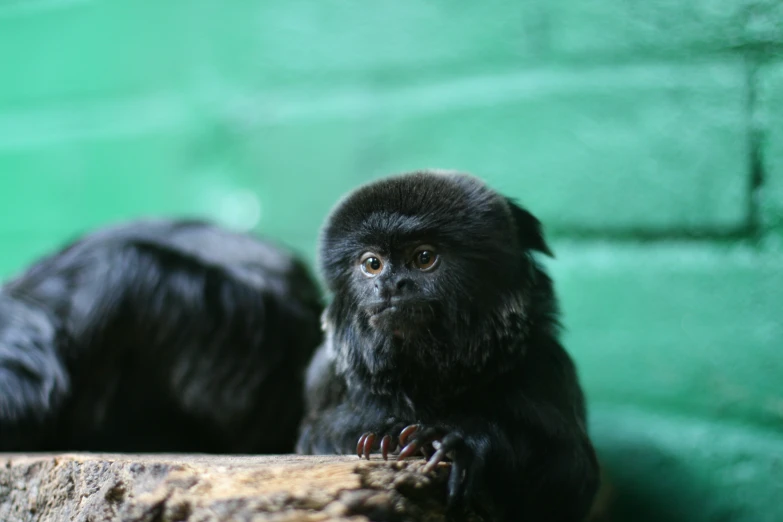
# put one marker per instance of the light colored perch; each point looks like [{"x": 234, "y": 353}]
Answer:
[{"x": 196, "y": 488}]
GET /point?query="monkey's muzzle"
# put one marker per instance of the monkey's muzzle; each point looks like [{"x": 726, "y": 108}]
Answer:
[{"x": 396, "y": 317}]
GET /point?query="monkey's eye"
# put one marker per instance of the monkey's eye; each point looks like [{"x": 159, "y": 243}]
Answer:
[
  {"x": 425, "y": 258},
  {"x": 371, "y": 264}
]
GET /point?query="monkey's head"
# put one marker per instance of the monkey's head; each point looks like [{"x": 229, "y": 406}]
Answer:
[{"x": 431, "y": 271}]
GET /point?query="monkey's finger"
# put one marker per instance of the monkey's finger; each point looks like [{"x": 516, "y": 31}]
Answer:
[
  {"x": 426, "y": 436},
  {"x": 368, "y": 443},
  {"x": 409, "y": 450},
  {"x": 360, "y": 445},
  {"x": 455, "y": 484},
  {"x": 436, "y": 459},
  {"x": 429, "y": 449},
  {"x": 407, "y": 432},
  {"x": 385, "y": 444},
  {"x": 453, "y": 447},
  {"x": 469, "y": 484},
  {"x": 418, "y": 439}
]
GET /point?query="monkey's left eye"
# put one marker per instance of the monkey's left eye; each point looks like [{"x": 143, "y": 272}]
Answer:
[{"x": 425, "y": 258}]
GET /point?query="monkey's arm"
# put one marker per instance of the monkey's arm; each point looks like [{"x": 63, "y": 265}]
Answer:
[
  {"x": 517, "y": 465},
  {"x": 519, "y": 442}
]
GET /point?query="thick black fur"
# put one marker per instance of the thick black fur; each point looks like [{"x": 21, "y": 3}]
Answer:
[
  {"x": 473, "y": 354},
  {"x": 157, "y": 336}
]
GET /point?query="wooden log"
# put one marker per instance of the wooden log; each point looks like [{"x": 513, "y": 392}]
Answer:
[{"x": 199, "y": 488}]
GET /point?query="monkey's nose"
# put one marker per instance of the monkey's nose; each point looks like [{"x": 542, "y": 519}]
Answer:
[{"x": 394, "y": 288}]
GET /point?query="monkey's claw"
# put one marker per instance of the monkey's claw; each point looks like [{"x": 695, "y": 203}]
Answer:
[
  {"x": 407, "y": 432},
  {"x": 412, "y": 439},
  {"x": 386, "y": 444},
  {"x": 367, "y": 443},
  {"x": 415, "y": 438}
]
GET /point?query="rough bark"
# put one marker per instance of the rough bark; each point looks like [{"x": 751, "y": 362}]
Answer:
[{"x": 168, "y": 488}]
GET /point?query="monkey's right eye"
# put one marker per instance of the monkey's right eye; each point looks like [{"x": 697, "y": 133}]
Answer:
[{"x": 371, "y": 265}]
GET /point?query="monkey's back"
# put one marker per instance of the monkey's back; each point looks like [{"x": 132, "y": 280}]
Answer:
[{"x": 157, "y": 336}]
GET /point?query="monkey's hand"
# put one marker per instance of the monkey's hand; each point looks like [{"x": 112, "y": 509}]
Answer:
[{"x": 467, "y": 454}]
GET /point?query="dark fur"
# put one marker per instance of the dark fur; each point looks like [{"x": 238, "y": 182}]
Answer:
[
  {"x": 477, "y": 355},
  {"x": 157, "y": 336}
]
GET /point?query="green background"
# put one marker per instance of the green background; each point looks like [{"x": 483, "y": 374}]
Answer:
[{"x": 646, "y": 134}]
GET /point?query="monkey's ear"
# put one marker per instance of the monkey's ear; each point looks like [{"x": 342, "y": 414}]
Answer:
[{"x": 529, "y": 229}]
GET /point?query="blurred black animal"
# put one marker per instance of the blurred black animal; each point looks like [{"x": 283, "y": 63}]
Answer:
[
  {"x": 165, "y": 335},
  {"x": 442, "y": 338}
]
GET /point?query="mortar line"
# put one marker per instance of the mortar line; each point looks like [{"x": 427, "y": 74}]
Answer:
[{"x": 755, "y": 136}]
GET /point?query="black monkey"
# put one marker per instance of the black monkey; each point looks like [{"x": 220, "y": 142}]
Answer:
[
  {"x": 160, "y": 335},
  {"x": 442, "y": 338}
]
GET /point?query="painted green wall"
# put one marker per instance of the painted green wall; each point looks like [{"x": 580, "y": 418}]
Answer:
[{"x": 647, "y": 134}]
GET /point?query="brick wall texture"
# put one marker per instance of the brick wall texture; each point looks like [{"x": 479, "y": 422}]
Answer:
[{"x": 647, "y": 135}]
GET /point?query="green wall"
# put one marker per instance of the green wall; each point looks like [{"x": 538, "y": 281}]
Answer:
[{"x": 647, "y": 135}]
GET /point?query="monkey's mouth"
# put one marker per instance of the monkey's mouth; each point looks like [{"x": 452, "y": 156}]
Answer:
[
  {"x": 382, "y": 314},
  {"x": 387, "y": 310},
  {"x": 398, "y": 319}
]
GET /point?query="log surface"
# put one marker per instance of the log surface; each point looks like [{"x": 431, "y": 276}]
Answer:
[{"x": 199, "y": 488}]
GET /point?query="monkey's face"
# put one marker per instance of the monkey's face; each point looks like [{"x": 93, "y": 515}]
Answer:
[
  {"x": 421, "y": 256},
  {"x": 398, "y": 288}
]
